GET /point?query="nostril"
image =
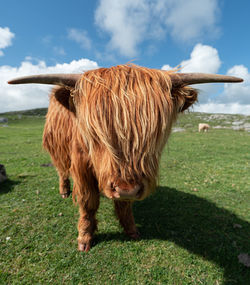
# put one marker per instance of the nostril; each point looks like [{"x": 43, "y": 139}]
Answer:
[
  {"x": 115, "y": 193},
  {"x": 139, "y": 193},
  {"x": 112, "y": 186}
]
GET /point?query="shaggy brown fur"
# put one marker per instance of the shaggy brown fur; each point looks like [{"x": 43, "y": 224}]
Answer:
[{"x": 110, "y": 130}]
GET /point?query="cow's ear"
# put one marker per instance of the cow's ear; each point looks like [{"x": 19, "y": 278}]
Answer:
[
  {"x": 63, "y": 96},
  {"x": 185, "y": 97}
]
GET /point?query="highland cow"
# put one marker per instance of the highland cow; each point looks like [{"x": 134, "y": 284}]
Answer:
[{"x": 107, "y": 128}]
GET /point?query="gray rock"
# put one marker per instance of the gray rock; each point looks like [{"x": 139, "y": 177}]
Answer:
[
  {"x": 247, "y": 127},
  {"x": 175, "y": 130},
  {"x": 237, "y": 123},
  {"x": 3, "y": 120},
  {"x": 237, "y": 128}
]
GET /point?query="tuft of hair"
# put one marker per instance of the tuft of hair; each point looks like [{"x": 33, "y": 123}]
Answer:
[{"x": 129, "y": 111}]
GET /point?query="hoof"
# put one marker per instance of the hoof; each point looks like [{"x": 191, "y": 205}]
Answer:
[
  {"x": 134, "y": 235},
  {"x": 65, "y": 195},
  {"x": 64, "y": 188},
  {"x": 84, "y": 247}
]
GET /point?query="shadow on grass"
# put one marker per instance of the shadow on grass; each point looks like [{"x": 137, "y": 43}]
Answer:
[
  {"x": 197, "y": 225},
  {"x": 7, "y": 186}
]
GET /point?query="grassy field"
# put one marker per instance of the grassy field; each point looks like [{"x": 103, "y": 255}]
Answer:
[{"x": 192, "y": 229}]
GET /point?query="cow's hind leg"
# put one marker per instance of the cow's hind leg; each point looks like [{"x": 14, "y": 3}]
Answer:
[
  {"x": 63, "y": 169},
  {"x": 64, "y": 184},
  {"x": 57, "y": 136},
  {"x": 61, "y": 161},
  {"x": 123, "y": 210}
]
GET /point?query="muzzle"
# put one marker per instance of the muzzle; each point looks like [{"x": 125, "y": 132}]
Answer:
[{"x": 125, "y": 191}]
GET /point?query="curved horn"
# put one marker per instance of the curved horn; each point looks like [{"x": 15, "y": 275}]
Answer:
[
  {"x": 179, "y": 79},
  {"x": 55, "y": 79}
]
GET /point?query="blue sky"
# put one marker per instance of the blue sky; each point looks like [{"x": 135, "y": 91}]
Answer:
[{"x": 73, "y": 36}]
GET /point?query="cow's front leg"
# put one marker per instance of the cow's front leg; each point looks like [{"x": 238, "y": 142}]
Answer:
[
  {"x": 123, "y": 210},
  {"x": 87, "y": 223},
  {"x": 86, "y": 191}
]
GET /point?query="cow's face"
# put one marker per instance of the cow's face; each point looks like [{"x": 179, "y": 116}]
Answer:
[
  {"x": 120, "y": 182},
  {"x": 125, "y": 116}
]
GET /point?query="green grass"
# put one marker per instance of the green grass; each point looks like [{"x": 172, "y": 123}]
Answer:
[{"x": 188, "y": 232}]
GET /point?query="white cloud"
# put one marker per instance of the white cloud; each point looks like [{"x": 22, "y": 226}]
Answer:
[
  {"x": 188, "y": 20},
  {"x": 131, "y": 22},
  {"x": 81, "y": 37},
  {"x": 167, "y": 67},
  {"x": 6, "y": 37},
  {"x": 125, "y": 21},
  {"x": 23, "y": 97},
  {"x": 239, "y": 93},
  {"x": 203, "y": 58},
  {"x": 234, "y": 98},
  {"x": 225, "y": 108}
]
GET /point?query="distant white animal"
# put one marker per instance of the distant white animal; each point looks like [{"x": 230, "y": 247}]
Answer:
[{"x": 204, "y": 127}]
